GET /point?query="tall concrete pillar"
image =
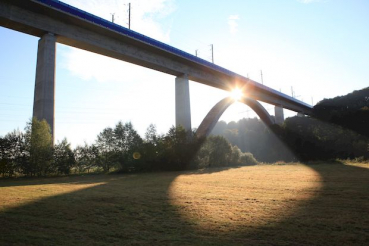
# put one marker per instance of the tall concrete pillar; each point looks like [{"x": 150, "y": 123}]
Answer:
[
  {"x": 44, "y": 98},
  {"x": 278, "y": 115},
  {"x": 183, "y": 108}
]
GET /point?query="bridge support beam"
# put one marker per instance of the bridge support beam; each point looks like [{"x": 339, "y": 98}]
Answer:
[
  {"x": 44, "y": 97},
  {"x": 183, "y": 108},
  {"x": 278, "y": 114}
]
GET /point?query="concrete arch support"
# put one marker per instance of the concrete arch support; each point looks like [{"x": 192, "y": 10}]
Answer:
[
  {"x": 213, "y": 117},
  {"x": 44, "y": 95},
  {"x": 216, "y": 112},
  {"x": 259, "y": 110}
]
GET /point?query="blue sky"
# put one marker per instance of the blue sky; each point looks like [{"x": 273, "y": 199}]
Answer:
[{"x": 320, "y": 48}]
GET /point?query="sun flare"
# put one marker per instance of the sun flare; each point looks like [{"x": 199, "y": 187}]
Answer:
[{"x": 236, "y": 94}]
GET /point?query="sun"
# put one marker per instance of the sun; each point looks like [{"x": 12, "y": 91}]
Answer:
[{"x": 236, "y": 94}]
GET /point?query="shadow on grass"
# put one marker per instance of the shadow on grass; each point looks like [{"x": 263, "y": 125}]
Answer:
[
  {"x": 73, "y": 178},
  {"x": 138, "y": 210}
]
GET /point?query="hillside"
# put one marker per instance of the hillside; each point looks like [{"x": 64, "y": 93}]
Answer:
[{"x": 350, "y": 111}]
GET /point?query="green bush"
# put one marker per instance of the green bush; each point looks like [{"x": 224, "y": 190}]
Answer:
[
  {"x": 218, "y": 152},
  {"x": 247, "y": 159}
]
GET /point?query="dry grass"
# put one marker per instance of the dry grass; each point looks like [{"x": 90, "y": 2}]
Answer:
[{"x": 293, "y": 204}]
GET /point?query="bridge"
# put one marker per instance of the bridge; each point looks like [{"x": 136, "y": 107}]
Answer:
[{"x": 54, "y": 21}]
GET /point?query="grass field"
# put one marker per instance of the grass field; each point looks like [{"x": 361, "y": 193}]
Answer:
[{"x": 325, "y": 204}]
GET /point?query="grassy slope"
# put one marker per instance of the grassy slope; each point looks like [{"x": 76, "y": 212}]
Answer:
[{"x": 262, "y": 205}]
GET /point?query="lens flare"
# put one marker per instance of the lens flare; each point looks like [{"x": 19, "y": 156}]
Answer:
[
  {"x": 236, "y": 94},
  {"x": 136, "y": 155}
]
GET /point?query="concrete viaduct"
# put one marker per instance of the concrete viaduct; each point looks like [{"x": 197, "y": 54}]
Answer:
[{"x": 54, "y": 21}]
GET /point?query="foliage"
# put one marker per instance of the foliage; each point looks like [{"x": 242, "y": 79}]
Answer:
[
  {"x": 215, "y": 152},
  {"x": 306, "y": 138},
  {"x": 63, "y": 157},
  {"x": 350, "y": 111},
  {"x": 253, "y": 136},
  {"x": 177, "y": 149},
  {"x": 312, "y": 139},
  {"x": 127, "y": 143},
  {"x": 85, "y": 157},
  {"x": 13, "y": 153},
  {"x": 105, "y": 143},
  {"x": 150, "y": 150},
  {"x": 116, "y": 147},
  {"x": 247, "y": 159},
  {"x": 237, "y": 143},
  {"x": 123, "y": 149},
  {"x": 32, "y": 153},
  {"x": 218, "y": 152},
  {"x": 40, "y": 148}
]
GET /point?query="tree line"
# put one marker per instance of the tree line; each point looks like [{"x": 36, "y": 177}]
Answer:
[
  {"x": 338, "y": 128},
  {"x": 350, "y": 111},
  {"x": 298, "y": 139},
  {"x": 120, "y": 149}
]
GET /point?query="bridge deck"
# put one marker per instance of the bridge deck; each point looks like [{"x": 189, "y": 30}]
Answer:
[{"x": 83, "y": 30}]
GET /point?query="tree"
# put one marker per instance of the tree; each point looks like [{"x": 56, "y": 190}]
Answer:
[
  {"x": 86, "y": 157},
  {"x": 219, "y": 128},
  {"x": 216, "y": 151},
  {"x": 177, "y": 149},
  {"x": 127, "y": 143},
  {"x": 234, "y": 158},
  {"x": 38, "y": 133},
  {"x": 312, "y": 139},
  {"x": 350, "y": 111},
  {"x": 220, "y": 151},
  {"x": 252, "y": 135},
  {"x": 106, "y": 146},
  {"x": 6, "y": 167},
  {"x": 63, "y": 157},
  {"x": 150, "y": 150},
  {"x": 13, "y": 153},
  {"x": 117, "y": 147}
]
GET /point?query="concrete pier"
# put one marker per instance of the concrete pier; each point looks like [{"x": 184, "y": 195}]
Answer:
[
  {"x": 278, "y": 114},
  {"x": 183, "y": 108},
  {"x": 44, "y": 98}
]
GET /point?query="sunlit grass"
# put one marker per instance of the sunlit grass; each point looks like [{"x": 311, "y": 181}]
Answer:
[{"x": 249, "y": 196}]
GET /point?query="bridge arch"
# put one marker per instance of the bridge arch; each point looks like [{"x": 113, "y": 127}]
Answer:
[{"x": 216, "y": 112}]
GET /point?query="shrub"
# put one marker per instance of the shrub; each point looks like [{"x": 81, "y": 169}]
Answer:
[{"x": 247, "y": 159}]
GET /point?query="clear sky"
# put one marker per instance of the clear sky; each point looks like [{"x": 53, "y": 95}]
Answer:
[{"x": 318, "y": 47}]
